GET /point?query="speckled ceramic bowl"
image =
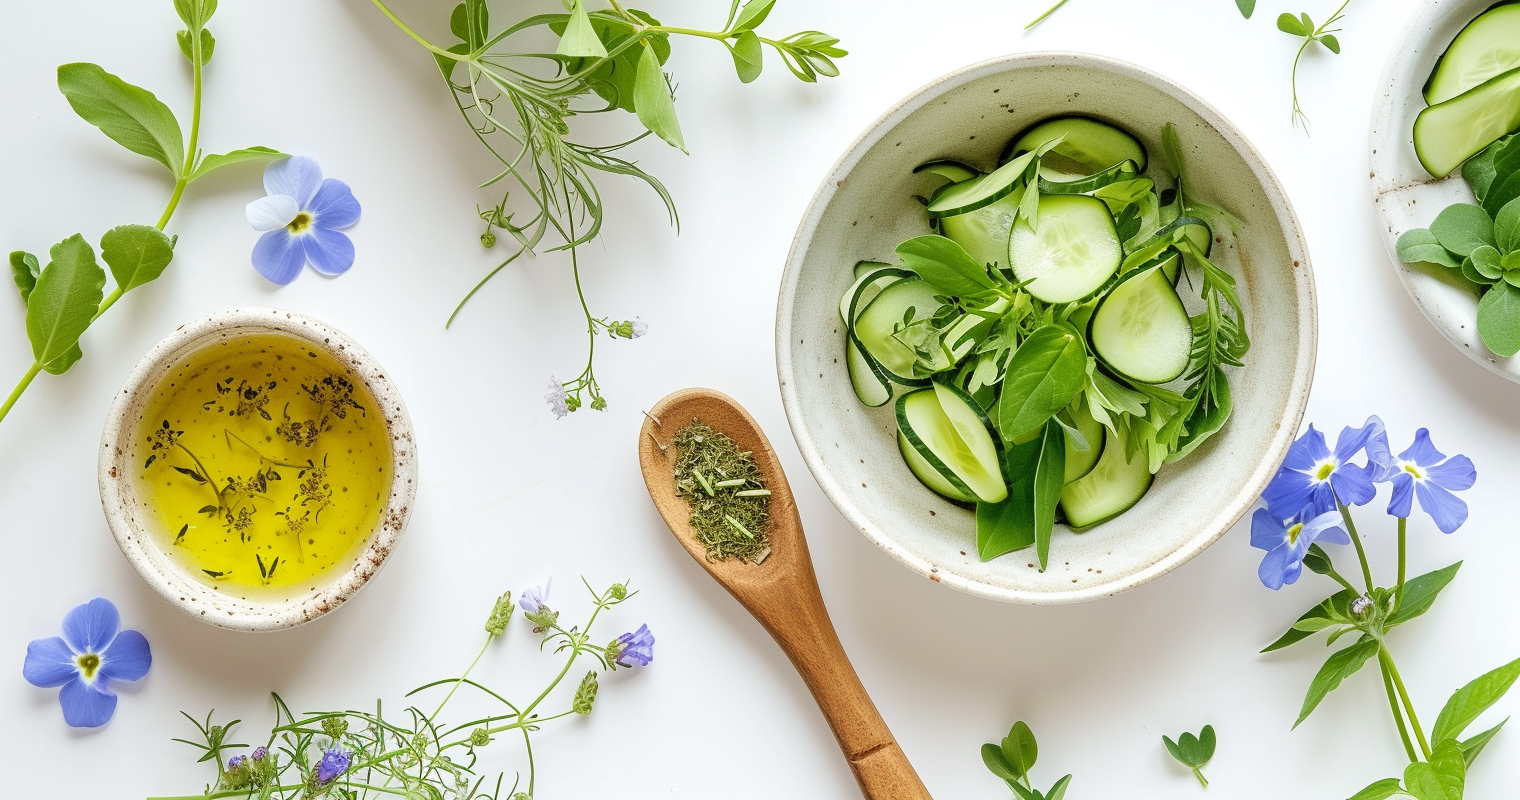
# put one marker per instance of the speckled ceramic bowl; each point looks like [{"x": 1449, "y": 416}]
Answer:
[
  {"x": 865, "y": 207},
  {"x": 127, "y": 517},
  {"x": 1405, "y": 196}
]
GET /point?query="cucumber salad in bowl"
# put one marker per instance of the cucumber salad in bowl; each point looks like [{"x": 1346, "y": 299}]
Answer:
[{"x": 1056, "y": 336}]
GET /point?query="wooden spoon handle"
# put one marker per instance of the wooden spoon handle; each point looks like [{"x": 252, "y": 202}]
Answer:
[{"x": 805, "y": 633}]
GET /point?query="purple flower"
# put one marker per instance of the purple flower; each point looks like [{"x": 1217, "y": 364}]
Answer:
[
  {"x": 260, "y": 753},
  {"x": 534, "y": 597},
  {"x": 1423, "y": 471},
  {"x": 92, "y": 653},
  {"x": 236, "y": 761},
  {"x": 632, "y": 649},
  {"x": 334, "y": 763},
  {"x": 1314, "y": 478},
  {"x": 300, "y": 219},
  {"x": 1287, "y": 542}
]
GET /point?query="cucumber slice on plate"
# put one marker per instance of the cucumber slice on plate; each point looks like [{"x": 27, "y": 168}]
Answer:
[
  {"x": 867, "y": 284},
  {"x": 969, "y": 195},
  {"x": 984, "y": 233},
  {"x": 1114, "y": 486},
  {"x": 1081, "y": 462},
  {"x": 928, "y": 475},
  {"x": 875, "y": 327},
  {"x": 950, "y": 432},
  {"x": 1090, "y": 146},
  {"x": 1141, "y": 330},
  {"x": 1055, "y": 182},
  {"x": 1488, "y": 46},
  {"x": 867, "y": 379},
  {"x": 1449, "y": 133},
  {"x": 1073, "y": 253},
  {"x": 863, "y": 267},
  {"x": 952, "y": 171}
]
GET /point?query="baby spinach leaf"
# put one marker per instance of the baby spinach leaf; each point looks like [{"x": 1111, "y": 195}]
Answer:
[
  {"x": 1499, "y": 319},
  {"x": 1329, "y": 610},
  {"x": 1471, "y": 273},
  {"x": 1043, "y": 376},
  {"x": 992, "y": 756},
  {"x": 1507, "y": 227},
  {"x": 1471, "y": 748},
  {"x": 25, "y": 270},
  {"x": 136, "y": 254},
  {"x": 1049, "y": 478},
  {"x": 1020, "y": 748},
  {"x": 579, "y": 38},
  {"x": 1421, "y": 246},
  {"x": 946, "y": 266},
  {"x": 130, "y": 115},
  {"x": 1382, "y": 790},
  {"x": 1479, "y": 171},
  {"x": 1340, "y": 666},
  {"x": 63, "y": 304},
  {"x": 749, "y": 59},
  {"x": 1501, "y": 192},
  {"x": 1487, "y": 262},
  {"x": 1442, "y": 777},
  {"x": 1473, "y": 699},
  {"x": 1463, "y": 228},
  {"x": 216, "y": 161},
  {"x": 1010, "y": 525},
  {"x": 1420, "y": 593},
  {"x": 652, "y": 102}
]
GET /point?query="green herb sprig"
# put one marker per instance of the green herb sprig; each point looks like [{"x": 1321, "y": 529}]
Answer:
[
  {"x": 1247, "y": 7},
  {"x": 414, "y": 754},
  {"x": 67, "y": 295},
  {"x": 1014, "y": 757},
  {"x": 519, "y": 101},
  {"x": 1192, "y": 751},
  {"x": 1303, "y": 26}
]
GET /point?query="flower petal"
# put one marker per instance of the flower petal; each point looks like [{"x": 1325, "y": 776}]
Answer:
[
  {"x": 1352, "y": 440},
  {"x": 91, "y": 627},
  {"x": 1326, "y": 527},
  {"x": 127, "y": 659},
  {"x": 1455, "y": 473},
  {"x": 1266, "y": 530},
  {"x": 331, "y": 252},
  {"x": 1353, "y": 484},
  {"x": 1288, "y": 493},
  {"x": 49, "y": 663},
  {"x": 334, "y": 205},
  {"x": 272, "y": 212},
  {"x": 86, "y": 705},
  {"x": 279, "y": 256},
  {"x": 1403, "y": 495},
  {"x": 1448, "y": 510},
  {"x": 1380, "y": 462},
  {"x": 1276, "y": 567},
  {"x": 1422, "y": 452},
  {"x": 297, "y": 176},
  {"x": 1308, "y": 449}
]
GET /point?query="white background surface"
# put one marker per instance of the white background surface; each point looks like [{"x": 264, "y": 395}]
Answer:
[{"x": 511, "y": 496}]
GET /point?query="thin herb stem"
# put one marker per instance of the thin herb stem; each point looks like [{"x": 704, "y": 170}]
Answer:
[
  {"x": 1312, "y": 37},
  {"x": 26, "y": 380},
  {"x": 1048, "y": 12},
  {"x": 1403, "y": 551},
  {"x": 1340, "y": 579},
  {"x": 452, "y": 689},
  {"x": 1385, "y": 656},
  {"x": 417, "y": 37},
  {"x": 1361, "y": 551},
  {"x": 1398, "y": 715},
  {"x": 1199, "y": 773}
]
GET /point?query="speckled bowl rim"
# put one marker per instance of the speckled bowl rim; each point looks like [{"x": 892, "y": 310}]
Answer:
[
  {"x": 1298, "y": 393},
  {"x": 117, "y": 492}
]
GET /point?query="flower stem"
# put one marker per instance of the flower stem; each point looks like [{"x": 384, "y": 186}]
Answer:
[
  {"x": 1361, "y": 552},
  {"x": 1403, "y": 539},
  {"x": 467, "y": 671},
  {"x": 26, "y": 380},
  {"x": 1041, "y": 18},
  {"x": 1398, "y": 715},
  {"x": 417, "y": 37},
  {"x": 1386, "y": 658}
]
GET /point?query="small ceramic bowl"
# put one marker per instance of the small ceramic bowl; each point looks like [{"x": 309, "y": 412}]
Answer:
[
  {"x": 121, "y": 456},
  {"x": 865, "y": 207},
  {"x": 1405, "y": 196}
]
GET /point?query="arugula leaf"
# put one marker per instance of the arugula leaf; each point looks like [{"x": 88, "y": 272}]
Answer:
[
  {"x": 64, "y": 303},
  {"x": 579, "y": 38},
  {"x": 136, "y": 254},
  {"x": 1043, "y": 377},
  {"x": 1471, "y": 748},
  {"x": 1010, "y": 525},
  {"x": 652, "y": 101},
  {"x": 1420, "y": 593},
  {"x": 25, "y": 270},
  {"x": 1421, "y": 246},
  {"x": 1442, "y": 777},
  {"x": 1049, "y": 478},
  {"x": 1381, "y": 790},
  {"x": 130, "y": 115},
  {"x": 216, "y": 161},
  {"x": 1499, "y": 319},
  {"x": 1473, "y": 699},
  {"x": 945, "y": 265},
  {"x": 1340, "y": 666},
  {"x": 1463, "y": 228},
  {"x": 749, "y": 59},
  {"x": 1330, "y": 610}
]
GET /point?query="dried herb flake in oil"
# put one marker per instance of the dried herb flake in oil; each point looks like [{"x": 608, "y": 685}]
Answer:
[{"x": 730, "y": 505}]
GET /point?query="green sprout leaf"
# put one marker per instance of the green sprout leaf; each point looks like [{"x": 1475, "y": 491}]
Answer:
[
  {"x": 471, "y": 22},
  {"x": 1442, "y": 777},
  {"x": 64, "y": 303},
  {"x": 1058, "y": 789},
  {"x": 652, "y": 101},
  {"x": 749, "y": 58},
  {"x": 1340, "y": 666},
  {"x": 1499, "y": 319},
  {"x": 136, "y": 254},
  {"x": 130, "y": 115},
  {"x": 753, "y": 13},
  {"x": 1192, "y": 751},
  {"x": 1420, "y": 593},
  {"x": 216, "y": 161},
  {"x": 1473, "y": 699},
  {"x": 1471, "y": 748},
  {"x": 1049, "y": 478},
  {"x": 1421, "y": 246},
  {"x": 1010, "y": 525},
  {"x": 1331, "y": 43},
  {"x": 24, "y": 269},
  {"x": 1044, "y": 375},
  {"x": 1463, "y": 228},
  {"x": 992, "y": 756},
  {"x": 579, "y": 38},
  {"x": 1382, "y": 790},
  {"x": 1247, "y": 7},
  {"x": 1507, "y": 227},
  {"x": 187, "y": 46},
  {"x": 1289, "y": 24},
  {"x": 1020, "y": 748}
]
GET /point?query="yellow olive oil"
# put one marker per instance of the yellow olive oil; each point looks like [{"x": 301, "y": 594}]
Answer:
[{"x": 265, "y": 465}]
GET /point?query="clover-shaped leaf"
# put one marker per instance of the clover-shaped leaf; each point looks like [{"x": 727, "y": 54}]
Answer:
[{"x": 1193, "y": 751}]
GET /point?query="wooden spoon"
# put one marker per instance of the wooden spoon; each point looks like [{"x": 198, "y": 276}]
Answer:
[{"x": 782, "y": 591}]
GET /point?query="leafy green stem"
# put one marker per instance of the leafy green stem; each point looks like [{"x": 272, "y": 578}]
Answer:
[
  {"x": 1385, "y": 658},
  {"x": 452, "y": 689},
  {"x": 1048, "y": 12},
  {"x": 1202, "y": 780},
  {"x": 26, "y": 380},
  {"x": 1361, "y": 550},
  {"x": 1398, "y": 714},
  {"x": 1403, "y": 553},
  {"x": 417, "y": 37}
]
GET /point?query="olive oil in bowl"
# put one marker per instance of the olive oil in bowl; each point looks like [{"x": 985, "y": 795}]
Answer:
[{"x": 264, "y": 464}]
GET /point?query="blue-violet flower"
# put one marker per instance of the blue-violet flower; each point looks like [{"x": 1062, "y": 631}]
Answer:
[
  {"x": 1313, "y": 477},
  {"x": 334, "y": 763},
  {"x": 300, "y": 219},
  {"x": 632, "y": 649},
  {"x": 92, "y": 653},
  {"x": 1287, "y": 542},
  {"x": 534, "y": 597},
  {"x": 1423, "y": 471}
]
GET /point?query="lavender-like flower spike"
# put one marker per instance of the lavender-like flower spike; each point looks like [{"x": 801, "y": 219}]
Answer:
[
  {"x": 632, "y": 649},
  {"x": 334, "y": 763}
]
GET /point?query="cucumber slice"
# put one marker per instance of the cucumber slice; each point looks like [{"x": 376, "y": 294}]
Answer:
[
  {"x": 1170, "y": 262},
  {"x": 1141, "y": 330},
  {"x": 1488, "y": 46},
  {"x": 1114, "y": 486},
  {"x": 865, "y": 288},
  {"x": 952, "y": 171},
  {"x": 912, "y": 298},
  {"x": 960, "y": 198},
  {"x": 868, "y": 266},
  {"x": 1054, "y": 182},
  {"x": 955, "y": 438},
  {"x": 1449, "y": 133},
  {"x": 1090, "y": 146},
  {"x": 870, "y": 383},
  {"x": 984, "y": 233},
  {"x": 1074, "y": 252},
  {"x": 1081, "y": 462},
  {"x": 928, "y": 475}
]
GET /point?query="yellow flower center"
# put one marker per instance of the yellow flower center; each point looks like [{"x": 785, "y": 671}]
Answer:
[
  {"x": 1323, "y": 473},
  {"x": 302, "y": 221},
  {"x": 1414, "y": 469},
  {"x": 89, "y": 662},
  {"x": 1293, "y": 533}
]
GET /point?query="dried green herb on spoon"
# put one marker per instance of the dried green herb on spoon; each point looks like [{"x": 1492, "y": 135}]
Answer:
[{"x": 730, "y": 505}]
